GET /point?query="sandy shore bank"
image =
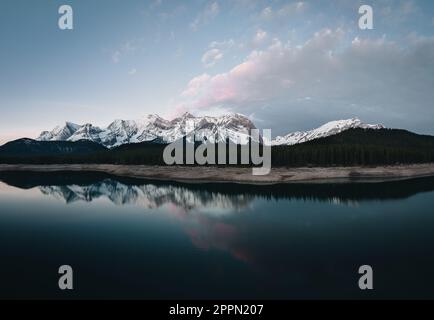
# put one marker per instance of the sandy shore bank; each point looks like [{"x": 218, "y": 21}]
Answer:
[{"x": 240, "y": 175}]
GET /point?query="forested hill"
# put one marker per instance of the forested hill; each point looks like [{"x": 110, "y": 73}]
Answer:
[
  {"x": 381, "y": 137},
  {"x": 28, "y": 147},
  {"x": 359, "y": 147},
  {"x": 350, "y": 148}
]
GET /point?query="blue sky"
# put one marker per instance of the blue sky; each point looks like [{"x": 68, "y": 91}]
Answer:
[{"x": 289, "y": 65}]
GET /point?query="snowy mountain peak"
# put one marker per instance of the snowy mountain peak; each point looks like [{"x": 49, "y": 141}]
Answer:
[
  {"x": 328, "y": 129},
  {"x": 153, "y": 127},
  {"x": 152, "y": 117},
  {"x": 72, "y": 125},
  {"x": 235, "y": 127},
  {"x": 86, "y": 132},
  {"x": 59, "y": 133},
  {"x": 187, "y": 115}
]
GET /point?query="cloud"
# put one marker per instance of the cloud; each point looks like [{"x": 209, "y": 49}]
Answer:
[
  {"x": 116, "y": 56},
  {"x": 128, "y": 47},
  {"x": 211, "y": 57},
  {"x": 408, "y": 7},
  {"x": 132, "y": 71},
  {"x": 210, "y": 12},
  {"x": 287, "y": 10},
  {"x": 195, "y": 85},
  {"x": 263, "y": 73},
  {"x": 216, "y": 52},
  {"x": 260, "y": 37},
  {"x": 224, "y": 45},
  {"x": 292, "y": 8},
  {"x": 395, "y": 14},
  {"x": 266, "y": 13},
  {"x": 156, "y": 3},
  {"x": 375, "y": 78}
]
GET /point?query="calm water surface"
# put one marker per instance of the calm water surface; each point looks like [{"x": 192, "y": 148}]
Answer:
[{"x": 129, "y": 238}]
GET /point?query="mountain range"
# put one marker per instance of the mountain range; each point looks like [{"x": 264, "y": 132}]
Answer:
[
  {"x": 329, "y": 129},
  {"x": 235, "y": 127},
  {"x": 340, "y": 143}
]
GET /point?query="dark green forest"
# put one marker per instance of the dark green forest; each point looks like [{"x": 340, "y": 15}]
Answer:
[
  {"x": 358, "y": 147},
  {"x": 364, "y": 147}
]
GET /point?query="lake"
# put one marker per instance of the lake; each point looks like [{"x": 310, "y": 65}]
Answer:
[{"x": 129, "y": 238}]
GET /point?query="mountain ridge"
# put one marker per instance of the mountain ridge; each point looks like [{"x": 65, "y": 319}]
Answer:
[
  {"x": 235, "y": 127},
  {"x": 31, "y": 147},
  {"x": 328, "y": 129},
  {"x": 352, "y": 147}
]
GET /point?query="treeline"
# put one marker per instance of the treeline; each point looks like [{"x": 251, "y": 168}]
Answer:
[
  {"x": 350, "y": 148},
  {"x": 347, "y": 155},
  {"x": 358, "y": 147},
  {"x": 308, "y": 191},
  {"x": 149, "y": 154}
]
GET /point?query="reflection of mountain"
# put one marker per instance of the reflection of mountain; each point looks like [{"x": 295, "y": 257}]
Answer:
[
  {"x": 275, "y": 237},
  {"x": 74, "y": 186},
  {"x": 147, "y": 195}
]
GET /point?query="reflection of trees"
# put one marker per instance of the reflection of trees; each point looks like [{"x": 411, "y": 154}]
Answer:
[
  {"x": 73, "y": 186},
  {"x": 148, "y": 195},
  {"x": 308, "y": 245}
]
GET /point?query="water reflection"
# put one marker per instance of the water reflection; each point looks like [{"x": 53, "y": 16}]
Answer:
[
  {"x": 243, "y": 241},
  {"x": 72, "y": 187},
  {"x": 147, "y": 195}
]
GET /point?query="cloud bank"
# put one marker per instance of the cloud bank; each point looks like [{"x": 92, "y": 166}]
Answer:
[{"x": 330, "y": 75}]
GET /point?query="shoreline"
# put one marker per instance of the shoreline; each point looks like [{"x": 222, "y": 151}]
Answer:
[{"x": 201, "y": 174}]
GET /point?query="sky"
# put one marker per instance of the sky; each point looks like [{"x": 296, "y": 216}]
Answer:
[{"x": 287, "y": 65}]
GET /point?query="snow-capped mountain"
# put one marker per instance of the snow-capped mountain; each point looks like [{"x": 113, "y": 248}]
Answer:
[
  {"x": 235, "y": 127},
  {"x": 86, "y": 132},
  {"x": 60, "y": 133},
  {"x": 328, "y": 129}
]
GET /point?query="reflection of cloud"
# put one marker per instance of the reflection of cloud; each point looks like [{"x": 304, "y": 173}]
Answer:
[
  {"x": 199, "y": 212},
  {"x": 221, "y": 216},
  {"x": 211, "y": 231},
  {"x": 231, "y": 234}
]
